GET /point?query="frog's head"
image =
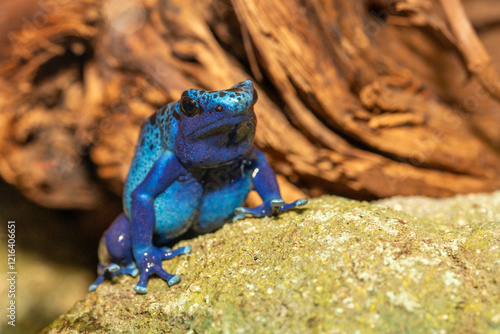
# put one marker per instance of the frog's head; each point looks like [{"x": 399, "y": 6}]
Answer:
[{"x": 215, "y": 127}]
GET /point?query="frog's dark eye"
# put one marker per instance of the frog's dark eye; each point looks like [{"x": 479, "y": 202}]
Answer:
[
  {"x": 219, "y": 108},
  {"x": 255, "y": 97},
  {"x": 189, "y": 107}
]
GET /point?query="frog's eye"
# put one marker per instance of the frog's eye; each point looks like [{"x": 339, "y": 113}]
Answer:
[
  {"x": 254, "y": 96},
  {"x": 189, "y": 107}
]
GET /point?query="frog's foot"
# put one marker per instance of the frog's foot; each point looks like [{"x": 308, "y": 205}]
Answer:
[
  {"x": 268, "y": 208},
  {"x": 149, "y": 263},
  {"x": 112, "y": 270}
]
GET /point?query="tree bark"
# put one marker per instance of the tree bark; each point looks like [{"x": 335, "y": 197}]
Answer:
[{"x": 364, "y": 98}]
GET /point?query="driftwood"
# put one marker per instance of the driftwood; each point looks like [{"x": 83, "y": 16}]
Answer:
[{"x": 364, "y": 98}]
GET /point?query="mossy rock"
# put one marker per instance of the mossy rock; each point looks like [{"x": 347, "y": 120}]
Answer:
[{"x": 337, "y": 266}]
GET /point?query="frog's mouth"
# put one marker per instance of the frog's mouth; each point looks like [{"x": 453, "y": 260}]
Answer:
[{"x": 240, "y": 126}]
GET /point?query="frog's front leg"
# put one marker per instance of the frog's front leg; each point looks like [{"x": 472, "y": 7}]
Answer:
[
  {"x": 147, "y": 256},
  {"x": 264, "y": 182}
]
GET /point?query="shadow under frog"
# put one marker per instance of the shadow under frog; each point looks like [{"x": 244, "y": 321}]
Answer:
[{"x": 193, "y": 168}]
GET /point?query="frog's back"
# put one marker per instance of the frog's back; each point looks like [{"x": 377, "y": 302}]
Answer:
[{"x": 157, "y": 136}]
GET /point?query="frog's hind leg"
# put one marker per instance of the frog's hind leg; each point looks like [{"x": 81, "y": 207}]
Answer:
[
  {"x": 115, "y": 252},
  {"x": 118, "y": 243}
]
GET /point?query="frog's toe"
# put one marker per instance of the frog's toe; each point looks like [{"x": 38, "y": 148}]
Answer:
[
  {"x": 141, "y": 289},
  {"x": 186, "y": 250},
  {"x": 241, "y": 212},
  {"x": 130, "y": 269},
  {"x": 176, "y": 252},
  {"x": 238, "y": 217},
  {"x": 173, "y": 280},
  {"x": 301, "y": 202},
  {"x": 113, "y": 267},
  {"x": 297, "y": 203},
  {"x": 276, "y": 205},
  {"x": 96, "y": 283}
]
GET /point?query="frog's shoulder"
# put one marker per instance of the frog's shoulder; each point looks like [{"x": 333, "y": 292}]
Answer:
[
  {"x": 159, "y": 130},
  {"x": 156, "y": 137}
]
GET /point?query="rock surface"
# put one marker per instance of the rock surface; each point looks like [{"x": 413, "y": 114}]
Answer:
[{"x": 338, "y": 266}]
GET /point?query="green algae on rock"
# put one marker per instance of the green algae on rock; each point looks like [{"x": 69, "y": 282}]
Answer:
[{"x": 337, "y": 266}]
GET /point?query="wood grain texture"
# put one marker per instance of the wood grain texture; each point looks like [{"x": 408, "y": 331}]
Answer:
[{"x": 365, "y": 98}]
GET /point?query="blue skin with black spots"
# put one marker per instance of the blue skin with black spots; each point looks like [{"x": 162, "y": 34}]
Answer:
[{"x": 193, "y": 168}]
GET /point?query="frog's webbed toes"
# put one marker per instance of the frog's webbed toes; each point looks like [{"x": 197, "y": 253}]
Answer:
[
  {"x": 150, "y": 263},
  {"x": 171, "y": 279}
]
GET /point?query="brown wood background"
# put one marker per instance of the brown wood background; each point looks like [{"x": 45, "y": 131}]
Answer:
[{"x": 362, "y": 98}]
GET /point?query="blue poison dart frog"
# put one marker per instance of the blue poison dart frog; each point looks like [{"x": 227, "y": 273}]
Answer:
[{"x": 193, "y": 168}]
